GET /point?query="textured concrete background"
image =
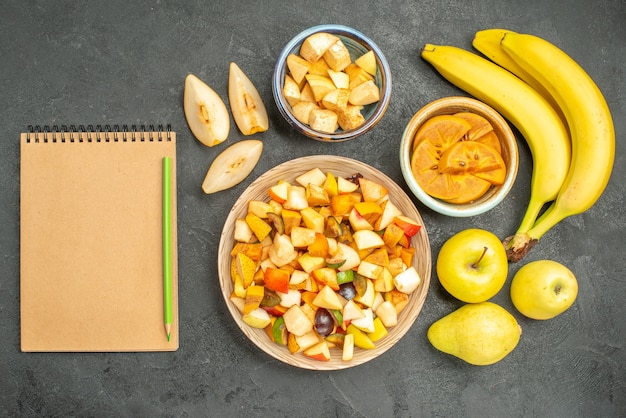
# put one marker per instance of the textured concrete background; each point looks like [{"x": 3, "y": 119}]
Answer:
[{"x": 120, "y": 62}]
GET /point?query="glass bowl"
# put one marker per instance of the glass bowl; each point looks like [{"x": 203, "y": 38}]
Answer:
[{"x": 357, "y": 44}]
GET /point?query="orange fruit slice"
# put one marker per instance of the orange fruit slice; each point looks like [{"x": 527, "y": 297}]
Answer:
[
  {"x": 491, "y": 139},
  {"x": 469, "y": 187},
  {"x": 481, "y": 131},
  {"x": 425, "y": 168},
  {"x": 470, "y": 157},
  {"x": 442, "y": 131},
  {"x": 480, "y": 125}
]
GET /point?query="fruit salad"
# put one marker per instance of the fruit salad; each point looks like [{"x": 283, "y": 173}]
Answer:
[{"x": 324, "y": 263}]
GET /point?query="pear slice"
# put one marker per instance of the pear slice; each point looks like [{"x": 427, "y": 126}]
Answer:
[
  {"x": 205, "y": 111},
  {"x": 365, "y": 93},
  {"x": 245, "y": 103},
  {"x": 367, "y": 62},
  {"x": 314, "y": 46},
  {"x": 232, "y": 165}
]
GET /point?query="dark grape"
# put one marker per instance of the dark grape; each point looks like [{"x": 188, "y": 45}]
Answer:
[
  {"x": 324, "y": 322},
  {"x": 347, "y": 290}
]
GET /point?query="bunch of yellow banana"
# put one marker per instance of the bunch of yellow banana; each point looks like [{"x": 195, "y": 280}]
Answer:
[{"x": 573, "y": 99}]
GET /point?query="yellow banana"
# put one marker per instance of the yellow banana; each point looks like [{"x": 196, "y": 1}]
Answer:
[
  {"x": 590, "y": 125},
  {"x": 487, "y": 42},
  {"x": 534, "y": 117}
]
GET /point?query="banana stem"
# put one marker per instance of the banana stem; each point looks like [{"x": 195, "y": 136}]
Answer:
[
  {"x": 530, "y": 217},
  {"x": 550, "y": 218},
  {"x": 518, "y": 246}
]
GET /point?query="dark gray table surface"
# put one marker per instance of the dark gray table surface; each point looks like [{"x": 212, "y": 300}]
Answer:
[{"x": 120, "y": 62}]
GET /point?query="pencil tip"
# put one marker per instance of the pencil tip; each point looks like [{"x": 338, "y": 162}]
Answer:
[{"x": 168, "y": 337}]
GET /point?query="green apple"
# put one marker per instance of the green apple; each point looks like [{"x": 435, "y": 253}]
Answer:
[
  {"x": 543, "y": 289},
  {"x": 472, "y": 265}
]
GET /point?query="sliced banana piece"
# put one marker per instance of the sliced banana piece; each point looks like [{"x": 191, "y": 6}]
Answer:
[
  {"x": 232, "y": 165},
  {"x": 205, "y": 111},
  {"x": 245, "y": 103}
]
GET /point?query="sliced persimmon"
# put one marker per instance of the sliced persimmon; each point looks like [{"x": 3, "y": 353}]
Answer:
[
  {"x": 442, "y": 131},
  {"x": 480, "y": 125},
  {"x": 469, "y": 188},
  {"x": 481, "y": 131},
  {"x": 491, "y": 139},
  {"x": 470, "y": 157},
  {"x": 425, "y": 168}
]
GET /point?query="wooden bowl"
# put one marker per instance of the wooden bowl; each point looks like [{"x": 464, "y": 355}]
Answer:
[{"x": 339, "y": 166}]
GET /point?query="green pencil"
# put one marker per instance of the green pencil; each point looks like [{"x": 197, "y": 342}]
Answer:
[{"x": 167, "y": 246}]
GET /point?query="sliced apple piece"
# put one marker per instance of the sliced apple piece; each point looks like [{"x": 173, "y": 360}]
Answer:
[
  {"x": 302, "y": 110},
  {"x": 243, "y": 233},
  {"x": 357, "y": 75},
  {"x": 348, "y": 347},
  {"x": 319, "y": 67},
  {"x": 319, "y": 351},
  {"x": 361, "y": 339},
  {"x": 317, "y": 196},
  {"x": 367, "y": 62},
  {"x": 336, "y": 100},
  {"x": 337, "y": 56},
  {"x": 315, "y": 45},
  {"x": 296, "y": 198},
  {"x": 324, "y": 120},
  {"x": 327, "y": 298},
  {"x": 390, "y": 211},
  {"x": 258, "y": 318},
  {"x": 380, "y": 331},
  {"x": 310, "y": 263},
  {"x": 345, "y": 186},
  {"x": 246, "y": 105},
  {"x": 313, "y": 220},
  {"x": 205, "y": 111},
  {"x": 259, "y": 208},
  {"x": 302, "y": 237},
  {"x": 387, "y": 313},
  {"x": 352, "y": 311},
  {"x": 357, "y": 221},
  {"x": 371, "y": 190},
  {"x": 366, "y": 239},
  {"x": 340, "y": 79},
  {"x": 320, "y": 85},
  {"x": 407, "y": 281},
  {"x": 291, "y": 90},
  {"x": 369, "y": 296},
  {"x": 314, "y": 176},
  {"x": 297, "y": 322},
  {"x": 282, "y": 251},
  {"x": 410, "y": 226},
  {"x": 370, "y": 210},
  {"x": 298, "y": 68},
  {"x": 351, "y": 117},
  {"x": 232, "y": 165},
  {"x": 365, "y": 93},
  {"x": 280, "y": 191},
  {"x": 349, "y": 254}
]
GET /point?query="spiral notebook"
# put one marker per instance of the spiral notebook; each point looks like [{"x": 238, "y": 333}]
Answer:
[{"x": 91, "y": 239}]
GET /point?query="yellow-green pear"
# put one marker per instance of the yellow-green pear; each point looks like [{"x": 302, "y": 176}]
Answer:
[{"x": 480, "y": 334}]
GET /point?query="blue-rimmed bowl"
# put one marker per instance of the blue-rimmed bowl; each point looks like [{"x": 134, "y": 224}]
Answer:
[{"x": 358, "y": 44}]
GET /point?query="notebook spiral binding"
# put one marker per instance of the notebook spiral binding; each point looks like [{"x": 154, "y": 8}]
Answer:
[{"x": 99, "y": 133}]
